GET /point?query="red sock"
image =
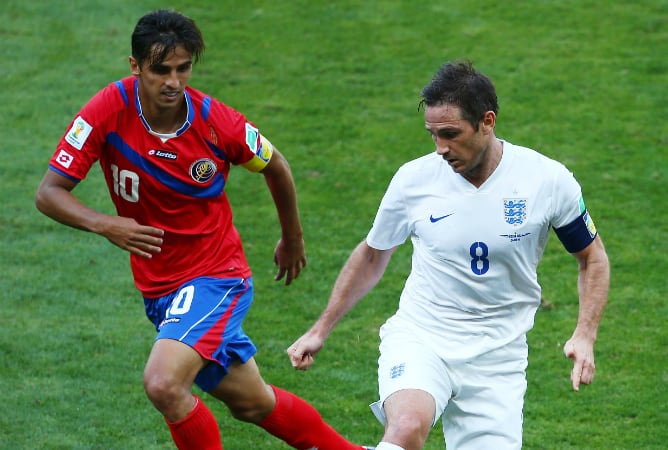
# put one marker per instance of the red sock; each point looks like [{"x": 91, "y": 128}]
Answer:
[
  {"x": 301, "y": 426},
  {"x": 196, "y": 431}
]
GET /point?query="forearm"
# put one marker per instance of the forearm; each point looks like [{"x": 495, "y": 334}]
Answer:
[
  {"x": 359, "y": 275},
  {"x": 60, "y": 205},
  {"x": 282, "y": 188},
  {"x": 593, "y": 285}
]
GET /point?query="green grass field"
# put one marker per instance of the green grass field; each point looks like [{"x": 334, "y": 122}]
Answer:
[{"x": 335, "y": 85}]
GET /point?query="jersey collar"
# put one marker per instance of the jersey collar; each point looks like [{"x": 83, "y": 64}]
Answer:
[{"x": 189, "y": 107}]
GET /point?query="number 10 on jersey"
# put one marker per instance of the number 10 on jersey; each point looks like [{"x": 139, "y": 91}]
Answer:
[{"x": 126, "y": 184}]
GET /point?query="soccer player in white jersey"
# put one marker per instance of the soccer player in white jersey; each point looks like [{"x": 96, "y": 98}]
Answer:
[{"x": 478, "y": 211}]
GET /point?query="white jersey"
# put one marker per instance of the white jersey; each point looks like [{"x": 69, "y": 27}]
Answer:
[{"x": 473, "y": 284}]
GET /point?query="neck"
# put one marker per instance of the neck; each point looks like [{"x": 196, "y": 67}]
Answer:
[
  {"x": 491, "y": 158},
  {"x": 165, "y": 120}
]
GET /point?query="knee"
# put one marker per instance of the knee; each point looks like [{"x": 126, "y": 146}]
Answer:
[
  {"x": 166, "y": 393},
  {"x": 409, "y": 430}
]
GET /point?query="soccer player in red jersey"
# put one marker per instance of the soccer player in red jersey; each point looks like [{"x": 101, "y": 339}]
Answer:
[{"x": 166, "y": 150}]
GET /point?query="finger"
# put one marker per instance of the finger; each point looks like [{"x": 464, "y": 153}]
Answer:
[
  {"x": 293, "y": 273},
  {"x": 292, "y": 351},
  {"x": 148, "y": 239},
  {"x": 280, "y": 274},
  {"x": 298, "y": 358},
  {"x": 588, "y": 374},
  {"x": 144, "y": 246},
  {"x": 307, "y": 359},
  {"x": 290, "y": 275},
  {"x": 152, "y": 231},
  {"x": 297, "y": 270},
  {"x": 303, "y": 362},
  {"x": 296, "y": 362},
  {"x": 137, "y": 251},
  {"x": 576, "y": 375}
]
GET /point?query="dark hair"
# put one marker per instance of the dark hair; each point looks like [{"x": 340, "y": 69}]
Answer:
[
  {"x": 458, "y": 83},
  {"x": 159, "y": 32}
]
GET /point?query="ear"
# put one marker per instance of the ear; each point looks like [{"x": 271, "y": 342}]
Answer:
[
  {"x": 134, "y": 66},
  {"x": 488, "y": 122}
]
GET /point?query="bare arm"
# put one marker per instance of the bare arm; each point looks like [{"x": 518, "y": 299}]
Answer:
[
  {"x": 290, "y": 254},
  {"x": 55, "y": 200},
  {"x": 593, "y": 283},
  {"x": 364, "y": 268}
]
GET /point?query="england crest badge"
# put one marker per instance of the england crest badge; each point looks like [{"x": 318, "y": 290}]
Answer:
[{"x": 515, "y": 210}]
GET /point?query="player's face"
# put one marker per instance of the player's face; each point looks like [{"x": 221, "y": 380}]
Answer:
[
  {"x": 463, "y": 147},
  {"x": 161, "y": 85}
]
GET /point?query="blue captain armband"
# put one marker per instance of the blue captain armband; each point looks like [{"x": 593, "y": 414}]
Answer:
[{"x": 578, "y": 234}]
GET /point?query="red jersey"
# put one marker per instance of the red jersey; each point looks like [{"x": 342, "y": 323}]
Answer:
[{"x": 175, "y": 183}]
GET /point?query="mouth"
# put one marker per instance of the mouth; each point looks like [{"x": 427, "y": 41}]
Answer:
[
  {"x": 171, "y": 95},
  {"x": 454, "y": 164}
]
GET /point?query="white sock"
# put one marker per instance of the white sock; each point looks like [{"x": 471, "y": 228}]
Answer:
[{"x": 388, "y": 446}]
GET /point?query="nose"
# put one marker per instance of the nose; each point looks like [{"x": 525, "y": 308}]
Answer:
[
  {"x": 442, "y": 145},
  {"x": 173, "y": 79}
]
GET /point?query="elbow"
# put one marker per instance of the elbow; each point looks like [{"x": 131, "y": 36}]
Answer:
[
  {"x": 40, "y": 200},
  {"x": 44, "y": 198}
]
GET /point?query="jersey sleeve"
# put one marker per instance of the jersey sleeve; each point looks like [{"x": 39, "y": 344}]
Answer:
[
  {"x": 571, "y": 222},
  {"x": 244, "y": 144},
  {"x": 391, "y": 226},
  {"x": 262, "y": 154},
  {"x": 82, "y": 144}
]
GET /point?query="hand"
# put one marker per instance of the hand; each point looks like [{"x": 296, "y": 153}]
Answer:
[
  {"x": 302, "y": 351},
  {"x": 126, "y": 233},
  {"x": 290, "y": 257},
  {"x": 581, "y": 351}
]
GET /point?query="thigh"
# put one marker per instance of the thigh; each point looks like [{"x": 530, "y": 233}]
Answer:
[
  {"x": 206, "y": 314},
  {"x": 173, "y": 362},
  {"x": 406, "y": 364},
  {"x": 410, "y": 417},
  {"x": 486, "y": 410}
]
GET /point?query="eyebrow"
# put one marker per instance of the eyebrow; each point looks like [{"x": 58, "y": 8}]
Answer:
[
  {"x": 447, "y": 127},
  {"x": 160, "y": 65}
]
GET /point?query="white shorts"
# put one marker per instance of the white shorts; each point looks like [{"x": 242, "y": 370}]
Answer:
[{"x": 481, "y": 400}]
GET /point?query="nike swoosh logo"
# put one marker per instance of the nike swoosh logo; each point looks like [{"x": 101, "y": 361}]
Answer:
[{"x": 436, "y": 219}]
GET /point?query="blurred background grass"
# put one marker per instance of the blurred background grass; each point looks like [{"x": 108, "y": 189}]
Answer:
[{"x": 335, "y": 86}]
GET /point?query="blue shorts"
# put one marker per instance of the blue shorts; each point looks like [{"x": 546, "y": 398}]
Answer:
[{"x": 206, "y": 314}]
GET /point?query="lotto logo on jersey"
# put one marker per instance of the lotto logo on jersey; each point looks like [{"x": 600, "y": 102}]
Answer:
[
  {"x": 64, "y": 159},
  {"x": 163, "y": 154},
  {"x": 78, "y": 133}
]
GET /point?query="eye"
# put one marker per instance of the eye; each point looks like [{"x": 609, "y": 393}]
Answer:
[
  {"x": 160, "y": 70},
  {"x": 448, "y": 134},
  {"x": 185, "y": 67}
]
